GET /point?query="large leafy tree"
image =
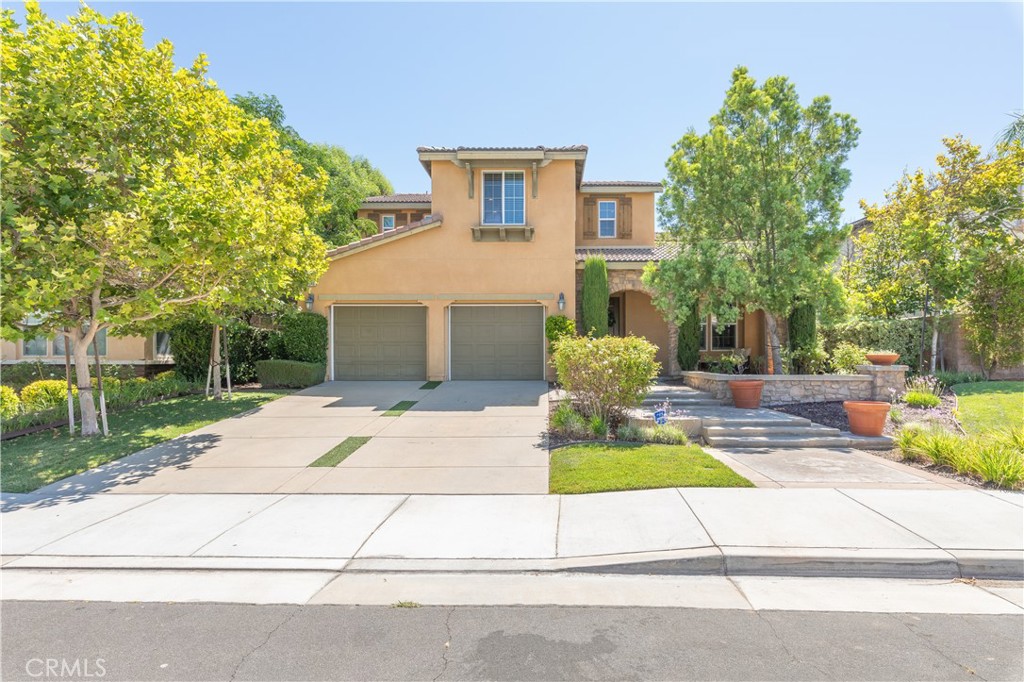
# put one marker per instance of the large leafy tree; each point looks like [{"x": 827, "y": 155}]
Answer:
[
  {"x": 134, "y": 191},
  {"x": 934, "y": 231},
  {"x": 754, "y": 204},
  {"x": 349, "y": 179}
]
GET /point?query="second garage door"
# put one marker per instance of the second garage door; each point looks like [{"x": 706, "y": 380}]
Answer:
[
  {"x": 380, "y": 342},
  {"x": 497, "y": 342}
]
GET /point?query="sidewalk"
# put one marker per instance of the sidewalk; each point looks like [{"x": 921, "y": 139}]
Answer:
[{"x": 734, "y": 532}]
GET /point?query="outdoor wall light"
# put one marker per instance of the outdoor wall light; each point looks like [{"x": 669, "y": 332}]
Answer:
[
  {"x": 309, "y": 301},
  {"x": 561, "y": 301}
]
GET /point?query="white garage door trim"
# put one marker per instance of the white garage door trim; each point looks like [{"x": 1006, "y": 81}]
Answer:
[
  {"x": 330, "y": 321},
  {"x": 543, "y": 335}
]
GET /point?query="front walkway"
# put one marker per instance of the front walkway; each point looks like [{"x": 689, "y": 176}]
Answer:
[{"x": 480, "y": 437}]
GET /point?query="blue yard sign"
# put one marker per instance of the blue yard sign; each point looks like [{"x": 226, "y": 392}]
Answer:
[{"x": 660, "y": 417}]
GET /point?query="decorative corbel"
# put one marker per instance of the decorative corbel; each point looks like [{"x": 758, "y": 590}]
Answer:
[
  {"x": 469, "y": 178},
  {"x": 534, "y": 166}
]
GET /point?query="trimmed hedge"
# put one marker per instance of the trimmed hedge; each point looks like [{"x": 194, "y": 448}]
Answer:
[
  {"x": 190, "y": 345},
  {"x": 289, "y": 373},
  {"x": 302, "y": 337},
  {"x": 900, "y": 336}
]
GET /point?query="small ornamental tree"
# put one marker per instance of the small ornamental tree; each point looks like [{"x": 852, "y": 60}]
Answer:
[
  {"x": 595, "y": 296},
  {"x": 133, "y": 190},
  {"x": 755, "y": 206},
  {"x": 934, "y": 231},
  {"x": 993, "y": 319}
]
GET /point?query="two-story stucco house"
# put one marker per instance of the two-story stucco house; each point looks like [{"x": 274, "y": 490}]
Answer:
[{"x": 457, "y": 283}]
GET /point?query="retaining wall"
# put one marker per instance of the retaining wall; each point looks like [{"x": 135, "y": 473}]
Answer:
[{"x": 871, "y": 383}]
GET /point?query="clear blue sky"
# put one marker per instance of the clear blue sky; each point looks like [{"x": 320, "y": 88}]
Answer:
[{"x": 627, "y": 80}]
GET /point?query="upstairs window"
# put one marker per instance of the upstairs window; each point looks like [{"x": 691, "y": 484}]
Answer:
[
  {"x": 504, "y": 200},
  {"x": 387, "y": 222},
  {"x": 606, "y": 219}
]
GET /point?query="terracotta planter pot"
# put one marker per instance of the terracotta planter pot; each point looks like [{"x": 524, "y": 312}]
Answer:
[
  {"x": 867, "y": 417},
  {"x": 746, "y": 392},
  {"x": 883, "y": 359}
]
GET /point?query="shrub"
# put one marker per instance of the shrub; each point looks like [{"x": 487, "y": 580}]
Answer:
[
  {"x": 804, "y": 347},
  {"x": 921, "y": 399},
  {"x": 569, "y": 423},
  {"x": 924, "y": 383},
  {"x": 10, "y": 403},
  {"x": 162, "y": 376},
  {"x": 727, "y": 364},
  {"x": 246, "y": 346},
  {"x": 40, "y": 395},
  {"x": 599, "y": 427},
  {"x": 608, "y": 375},
  {"x": 190, "y": 345},
  {"x": 20, "y": 374},
  {"x": 595, "y": 296},
  {"x": 289, "y": 373},
  {"x": 903, "y": 336},
  {"x": 664, "y": 434},
  {"x": 303, "y": 338},
  {"x": 954, "y": 378},
  {"x": 845, "y": 358},
  {"x": 688, "y": 341},
  {"x": 557, "y": 327}
]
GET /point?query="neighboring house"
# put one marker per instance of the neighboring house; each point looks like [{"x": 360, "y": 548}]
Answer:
[
  {"x": 143, "y": 352},
  {"x": 457, "y": 283}
]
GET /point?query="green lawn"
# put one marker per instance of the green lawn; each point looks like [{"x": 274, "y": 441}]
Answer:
[
  {"x": 397, "y": 409},
  {"x": 600, "y": 467},
  {"x": 33, "y": 461},
  {"x": 988, "y": 406}
]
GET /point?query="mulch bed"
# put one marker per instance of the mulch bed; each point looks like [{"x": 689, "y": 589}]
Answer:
[{"x": 832, "y": 414}]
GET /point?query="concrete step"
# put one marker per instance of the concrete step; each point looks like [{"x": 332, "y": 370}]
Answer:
[
  {"x": 741, "y": 422},
  {"x": 809, "y": 430},
  {"x": 778, "y": 441},
  {"x": 682, "y": 402}
]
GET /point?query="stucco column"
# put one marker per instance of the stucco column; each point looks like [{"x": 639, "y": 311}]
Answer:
[
  {"x": 887, "y": 382},
  {"x": 437, "y": 333}
]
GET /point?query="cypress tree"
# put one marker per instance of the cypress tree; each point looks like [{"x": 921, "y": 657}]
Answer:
[{"x": 595, "y": 296}]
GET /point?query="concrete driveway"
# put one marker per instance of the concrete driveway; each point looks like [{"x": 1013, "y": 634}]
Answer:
[{"x": 480, "y": 437}]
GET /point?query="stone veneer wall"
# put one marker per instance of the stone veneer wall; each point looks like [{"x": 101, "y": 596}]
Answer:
[{"x": 873, "y": 383}]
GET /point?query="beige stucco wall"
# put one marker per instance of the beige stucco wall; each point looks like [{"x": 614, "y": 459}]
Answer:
[
  {"x": 641, "y": 318},
  {"x": 443, "y": 265},
  {"x": 643, "y": 220},
  {"x": 129, "y": 349}
]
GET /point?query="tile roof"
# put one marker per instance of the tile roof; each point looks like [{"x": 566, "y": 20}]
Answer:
[
  {"x": 568, "y": 148},
  {"x": 374, "y": 239},
  {"x": 628, "y": 254},
  {"x": 422, "y": 198},
  {"x": 619, "y": 183}
]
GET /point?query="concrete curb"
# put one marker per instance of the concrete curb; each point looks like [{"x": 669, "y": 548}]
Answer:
[{"x": 707, "y": 561}]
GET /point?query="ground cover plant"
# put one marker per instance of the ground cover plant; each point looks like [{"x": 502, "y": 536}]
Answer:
[
  {"x": 399, "y": 408},
  {"x": 600, "y": 467},
  {"x": 339, "y": 452},
  {"x": 32, "y": 461}
]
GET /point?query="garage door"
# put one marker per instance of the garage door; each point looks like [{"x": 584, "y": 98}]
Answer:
[
  {"x": 380, "y": 342},
  {"x": 497, "y": 342}
]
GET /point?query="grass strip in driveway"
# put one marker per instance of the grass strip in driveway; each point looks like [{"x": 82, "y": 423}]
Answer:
[
  {"x": 397, "y": 409},
  {"x": 339, "y": 452},
  {"x": 602, "y": 467},
  {"x": 30, "y": 462},
  {"x": 430, "y": 385}
]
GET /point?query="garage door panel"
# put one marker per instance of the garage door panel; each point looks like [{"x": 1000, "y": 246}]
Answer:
[
  {"x": 380, "y": 343},
  {"x": 497, "y": 342}
]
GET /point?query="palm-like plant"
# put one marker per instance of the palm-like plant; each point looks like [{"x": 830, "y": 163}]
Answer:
[{"x": 1015, "y": 131}]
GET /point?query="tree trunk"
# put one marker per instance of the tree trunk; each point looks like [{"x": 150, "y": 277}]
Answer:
[
  {"x": 935, "y": 344},
  {"x": 80, "y": 351},
  {"x": 217, "y": 393},
  {"x": 774, "y": 346}
]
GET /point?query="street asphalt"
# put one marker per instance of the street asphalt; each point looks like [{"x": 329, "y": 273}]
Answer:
[{"x": 245, "y": 642}]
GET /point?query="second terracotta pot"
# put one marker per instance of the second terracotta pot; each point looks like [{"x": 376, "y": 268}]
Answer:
[
  {"x": 867, "y": 417},
  {"x": 746, "y": 392}
]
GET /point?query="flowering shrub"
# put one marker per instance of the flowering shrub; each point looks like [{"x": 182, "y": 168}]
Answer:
[
  {"x": 40, "y": 395},
  {"x": 606, "y": 376}
]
